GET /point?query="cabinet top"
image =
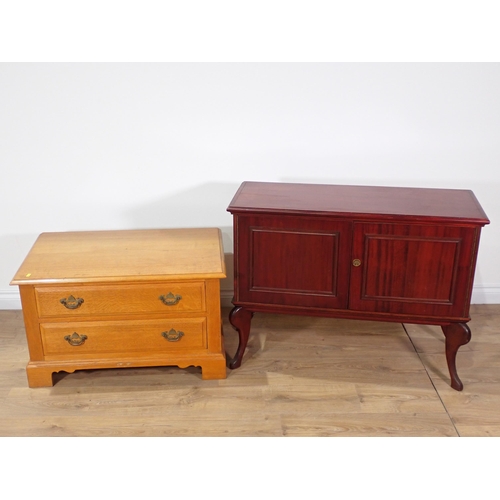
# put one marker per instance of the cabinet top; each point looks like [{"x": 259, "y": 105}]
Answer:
[
  {"x": 359, "y": 201},
  {"x": 127, "y": 255}
]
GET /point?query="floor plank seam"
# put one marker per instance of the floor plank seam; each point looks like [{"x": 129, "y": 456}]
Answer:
[
  {"x": 430, "y": 379},
  {"x": 299, "y": 380}
]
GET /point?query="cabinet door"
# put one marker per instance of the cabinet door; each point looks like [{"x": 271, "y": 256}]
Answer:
[
  {"x": 292, "y": 261},
  {"x": 413, "y": 269}
]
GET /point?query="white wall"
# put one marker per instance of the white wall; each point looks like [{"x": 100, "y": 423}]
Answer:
[{"x": 119, "y": 146}]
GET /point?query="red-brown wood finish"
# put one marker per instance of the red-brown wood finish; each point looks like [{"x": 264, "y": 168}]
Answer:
[
  {"x": 276, "y": 245},
  {"x": 360, "y": 252},
  {"x": 413, "y": 269}
]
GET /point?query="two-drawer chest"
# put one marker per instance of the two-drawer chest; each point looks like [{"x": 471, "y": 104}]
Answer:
[
  {"x": 360, "y": 252},
  {"x": 115, "y": 299}
]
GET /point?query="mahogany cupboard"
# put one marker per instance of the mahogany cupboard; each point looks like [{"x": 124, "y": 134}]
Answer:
[{"x": 375, "y": 253}]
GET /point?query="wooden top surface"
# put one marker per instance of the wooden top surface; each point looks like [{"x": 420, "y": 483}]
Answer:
[
  {"x": 363, "y": 201},
  {"x": 129, "y": 255}
]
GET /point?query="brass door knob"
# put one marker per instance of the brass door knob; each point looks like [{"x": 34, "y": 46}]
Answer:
[{"x": 356, "y": 262}]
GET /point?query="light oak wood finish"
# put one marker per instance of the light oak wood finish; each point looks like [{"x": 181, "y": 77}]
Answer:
[
  {"x": 108, "y": 299},
  {"x": 400, "y": 389}
]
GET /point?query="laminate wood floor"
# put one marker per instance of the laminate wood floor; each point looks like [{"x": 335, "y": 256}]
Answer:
[{"x": 301, "y": 376}]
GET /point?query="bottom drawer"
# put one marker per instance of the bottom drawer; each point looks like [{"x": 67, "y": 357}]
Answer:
[{"x": 88, "y": 337}]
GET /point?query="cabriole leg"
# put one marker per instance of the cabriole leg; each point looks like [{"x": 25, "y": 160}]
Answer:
[
  {"x": 457, "y": 334},
  {"x": 240, "y": 318}
]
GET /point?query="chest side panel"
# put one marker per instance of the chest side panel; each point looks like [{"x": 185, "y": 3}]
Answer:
[{"x": 292, "y": 260}]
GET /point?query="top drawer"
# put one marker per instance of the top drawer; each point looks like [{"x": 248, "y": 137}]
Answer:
[{"x": 118, "y": 299}]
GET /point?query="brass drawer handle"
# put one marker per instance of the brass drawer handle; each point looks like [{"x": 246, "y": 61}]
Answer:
[
  {"x": 356, "y": 262},
  {"x": 172, "y": 335},
  {"x": 75, "y": 339},
  {"x": 170, "y": 299},
  {"x": 71, "y": 302}
]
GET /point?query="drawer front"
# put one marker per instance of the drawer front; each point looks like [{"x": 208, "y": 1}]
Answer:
[
  {"x": 117, "y": 299},
  {"x": 126, "y": 337}
]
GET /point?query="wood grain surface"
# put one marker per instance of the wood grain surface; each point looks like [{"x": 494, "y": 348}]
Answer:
[
  {"x": 408, "y": 202},
  {"x": 92, "y": 256}
]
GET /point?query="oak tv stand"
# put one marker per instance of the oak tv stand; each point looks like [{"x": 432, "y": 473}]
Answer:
[{"x": 359, "y": 252}]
